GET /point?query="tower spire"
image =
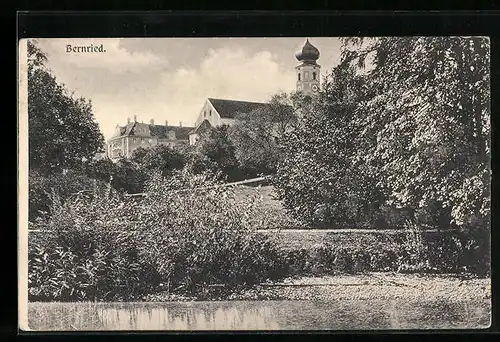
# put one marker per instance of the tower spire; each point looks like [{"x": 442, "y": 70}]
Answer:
[{"x": 308, "y": 70}]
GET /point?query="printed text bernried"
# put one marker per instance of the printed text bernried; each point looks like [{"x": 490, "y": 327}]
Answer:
[{"x": 88, "y": 48}]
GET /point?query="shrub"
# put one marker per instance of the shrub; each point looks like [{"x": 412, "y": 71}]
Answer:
[
  {"x": 83, "y": 253},
  {"x": 412, "y": 250},
  {"x": 129, "y": 177},
  {"x": 109, "y": 248},
  {"x": 215, "y": 152},
  {"x": 101, "y": 169},
  {"x": 43, "y": 187},
  {"x": 162, "y": 158},
  {"x": 204, "y": 236}
]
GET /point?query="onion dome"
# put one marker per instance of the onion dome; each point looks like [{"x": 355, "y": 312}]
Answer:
[{"x": 308, "y": 53}]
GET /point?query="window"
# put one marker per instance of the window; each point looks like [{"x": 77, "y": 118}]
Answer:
[
  {"x": 299, "y": 76},
  {"x": 205, "y": 114},
  {"x": 314, "y": 75},
  {"x": 210, "y": 112},
  {"x": 306, "y": 76}
]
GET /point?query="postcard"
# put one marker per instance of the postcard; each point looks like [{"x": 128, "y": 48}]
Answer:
[{"x": 291, "y": 183}]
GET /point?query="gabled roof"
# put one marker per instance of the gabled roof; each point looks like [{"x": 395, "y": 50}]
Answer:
[
  {"x": 160, "y": 131},
  {"x": 203, "y": 127},
  {"x": 229, "y": 108}
]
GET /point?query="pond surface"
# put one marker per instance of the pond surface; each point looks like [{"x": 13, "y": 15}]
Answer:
[{"x": 262, "y": 315}]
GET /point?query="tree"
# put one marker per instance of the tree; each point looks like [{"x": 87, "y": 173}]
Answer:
[
  {"x": 62, "y": 129},
  {"x": 215, "y": 153},
  {"x": 102, "y": 169},
  {"x": 160, "y": 157},
  {"x": 129, "y": 177},
  {"x": 430, "y": 120},
  {"x": 403, "y": 123},
  {"x": 256, "y": 135},
  {"x": 320, "y": 177},
  {"x": 138, "y": 155}
]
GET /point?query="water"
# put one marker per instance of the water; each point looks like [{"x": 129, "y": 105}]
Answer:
[{"x": 261, "y": 315}]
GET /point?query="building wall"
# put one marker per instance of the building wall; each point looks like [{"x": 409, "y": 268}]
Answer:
[
  {"x": 305, "y": 79},
  {"x": 125, "y": 146},
  {"x": 209, "y": 113},
  {"x": 134, "y": 142},
  {"x": 116, "y": 148}
]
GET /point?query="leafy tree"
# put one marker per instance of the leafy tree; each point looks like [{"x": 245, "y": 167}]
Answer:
[
  {"x": 215, "y": 153},
  {"x": 102, "y": 169},
  {"x": 129, "y": 177},
  {"x": 320, "y": 177},
  {"x": 139, "y": 154},
  {"x": 256, "y": 135},
  {"x": 162, "y": 158},
  {"x": 403, "y": 123},
  {"x": 429, "y": 121},
  {"x": 62, "y": 129}
]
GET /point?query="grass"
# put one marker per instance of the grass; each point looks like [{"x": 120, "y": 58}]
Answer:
[{"x": 271, "y": 208}]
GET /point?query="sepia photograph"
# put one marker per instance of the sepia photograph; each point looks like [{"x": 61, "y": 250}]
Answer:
[{"x": 279, "y": 183}]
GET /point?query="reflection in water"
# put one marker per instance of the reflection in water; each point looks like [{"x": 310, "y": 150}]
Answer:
[
  {"x": 185, "y": 316},
  {"x": 261, "y": 315}
]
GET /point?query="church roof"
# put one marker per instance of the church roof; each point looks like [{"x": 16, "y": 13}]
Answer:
[
  {"x": 229, "y": 108},
  {"x": 160, "y": 131}
]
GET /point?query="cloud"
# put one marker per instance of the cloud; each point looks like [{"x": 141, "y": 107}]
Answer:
[
  {"x": 231, "y": 74},
  {"x": 116, "y": 59},
  {"x": 122, "y": 83},
  {"x": 180, "y": 94}
]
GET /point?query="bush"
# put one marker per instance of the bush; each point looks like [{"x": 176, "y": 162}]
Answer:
[
  {"x": 410, "y": 251},
  {"x": 43, "y": 187},
  {"x": 83, "y": 253},
  {"x": 101, "y": 169},
  {"x": 215, "y": 152},
  {"x": 98, "y": 247},
  {"x": 129, "y": 177},
  {"x": 204, "y": 236},
  {"x": 160, "y": 158}
]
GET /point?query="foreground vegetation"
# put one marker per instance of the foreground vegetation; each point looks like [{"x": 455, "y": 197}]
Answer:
[
  {"x": 209, "y": 244},
  {"x": 107, "y": 248}
]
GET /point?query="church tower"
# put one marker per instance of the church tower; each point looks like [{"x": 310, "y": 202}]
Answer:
[{"x": 308, "y": 72}]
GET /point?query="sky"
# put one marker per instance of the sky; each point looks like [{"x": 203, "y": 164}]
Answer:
[{"x": 170, "y": 78}]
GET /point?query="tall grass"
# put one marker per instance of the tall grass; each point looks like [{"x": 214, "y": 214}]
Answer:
[
  {"x": 107, "y": 248},
  {"x": 413, "y": 256}
]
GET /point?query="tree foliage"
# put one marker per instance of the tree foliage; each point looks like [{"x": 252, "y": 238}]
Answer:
[
  {"x": 256, "y": 135},
  {"x": 44, "y": 188},
  {"x": 160, "y": 157},
  {"x": 431, "y": 110},
  {"x": 215, "y": 153},
  {"x": 400, "y": 123},
  {"x": 320, "y": 178},
  {"x": 62, "y": 129}
]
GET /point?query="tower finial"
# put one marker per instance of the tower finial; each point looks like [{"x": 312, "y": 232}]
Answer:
[{"x": 308, "y": 80}]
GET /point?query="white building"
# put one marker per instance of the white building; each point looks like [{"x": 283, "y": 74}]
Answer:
[{"x": 217, "y": 112}]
